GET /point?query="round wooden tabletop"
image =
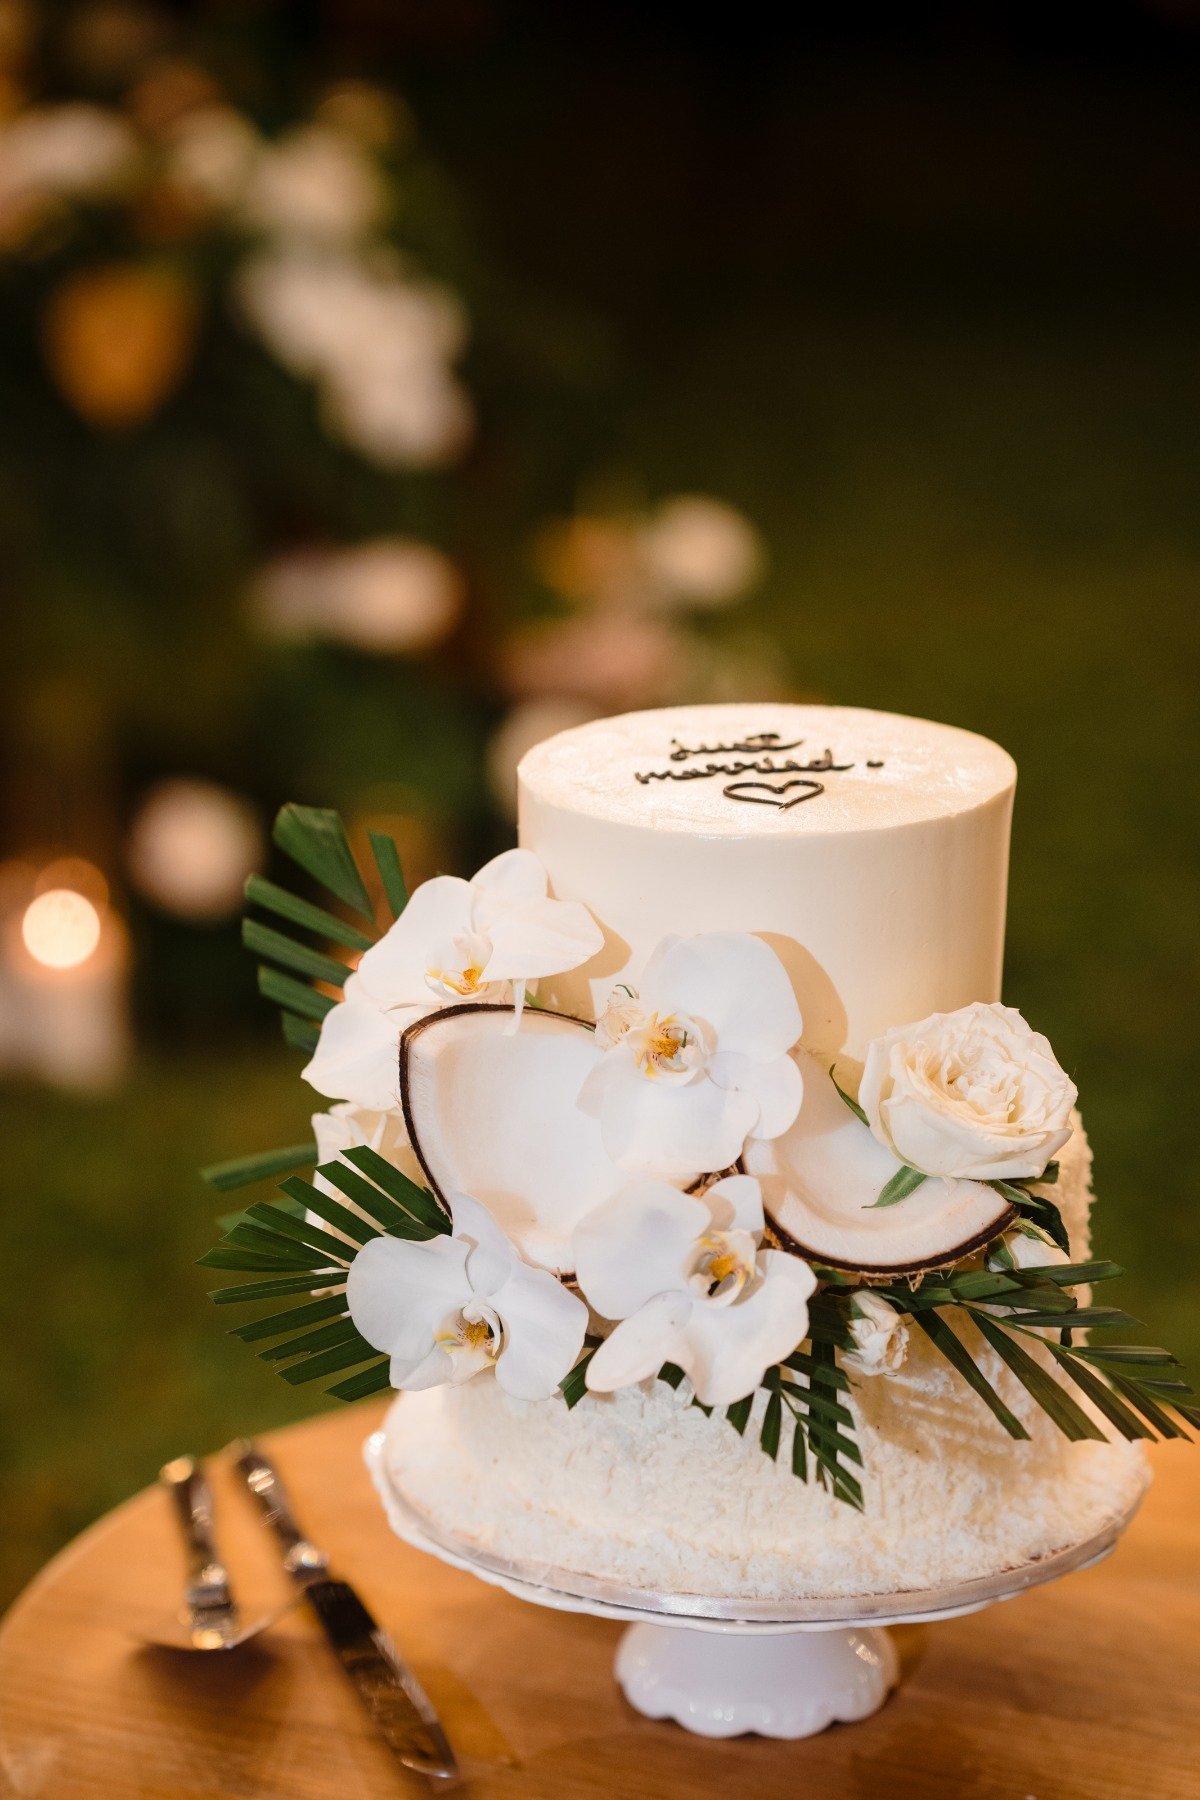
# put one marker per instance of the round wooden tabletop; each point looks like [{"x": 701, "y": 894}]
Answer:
[{"x": 1083, "y": 1690}]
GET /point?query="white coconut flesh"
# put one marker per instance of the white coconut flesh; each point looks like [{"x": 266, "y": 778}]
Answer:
[
  {"x": 492, "y": 1113},
  {"x": 821, "y": 1178}
]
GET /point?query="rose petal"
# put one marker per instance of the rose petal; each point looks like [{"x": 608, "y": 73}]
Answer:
[
  {"x": 941, "y": 1143},
  {"x": 544, "y": 1326},
  {"x": 638, "y": 1347},
  {"x": 727, "y": 1349},
  {"x": 732, "y": 980},
  {"x": 1012, "y": 1113},
  {"x": 637, "y": 1245},
  {"x": 777, "y": 1086}
]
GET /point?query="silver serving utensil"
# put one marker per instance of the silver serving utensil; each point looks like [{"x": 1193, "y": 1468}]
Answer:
[
  {"x": 387, "y": 1687},
  {"x": 209, "y": 1618}
]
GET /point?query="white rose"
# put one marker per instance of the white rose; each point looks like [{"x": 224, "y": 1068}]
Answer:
[
  {"x": 973, "y": 1094},
  {"x": 880, "y": 1337}
]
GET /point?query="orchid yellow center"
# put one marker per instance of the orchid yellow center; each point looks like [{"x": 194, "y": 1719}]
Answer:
[
  {"x": 460, "y": 981},
  {"x": 459, "y": 970},
  {"x": 472, "y": 1338},
  {"x": 725, "y": 1262},
  {"x": 663, "y": 1043}
]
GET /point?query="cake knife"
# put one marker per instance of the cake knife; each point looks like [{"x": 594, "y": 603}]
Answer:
[{"x": 391, "y": 1693}]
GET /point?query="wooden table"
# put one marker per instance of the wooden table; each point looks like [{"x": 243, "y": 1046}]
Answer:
[{"x": 1085, "y": 1690}]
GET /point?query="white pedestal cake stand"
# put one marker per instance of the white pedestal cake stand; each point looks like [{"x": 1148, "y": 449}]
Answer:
[{"x": 721, "y": 1668}]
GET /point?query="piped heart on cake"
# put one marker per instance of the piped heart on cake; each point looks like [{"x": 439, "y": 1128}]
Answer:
[{"x": 768, "y": 793}]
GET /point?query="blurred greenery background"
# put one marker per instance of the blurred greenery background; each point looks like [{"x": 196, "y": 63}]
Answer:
[{"x": 386, "y": 385}]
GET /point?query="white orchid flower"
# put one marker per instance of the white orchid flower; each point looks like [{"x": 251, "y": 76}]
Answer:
[
  {"x": 456, "y": 940},
  {"x": 689, "y": 1283},
  {"x": 449, "y": 1308},
  {"x": 696, "y": 1061}
]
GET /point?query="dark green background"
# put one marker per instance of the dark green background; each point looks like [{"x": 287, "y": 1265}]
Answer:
[{"x": 924, "y": 306}]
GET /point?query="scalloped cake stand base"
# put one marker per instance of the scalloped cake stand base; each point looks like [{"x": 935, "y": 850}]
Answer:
[
  {"x": 780, "y": 1685},
  {"x": 720, "y": 1668}
]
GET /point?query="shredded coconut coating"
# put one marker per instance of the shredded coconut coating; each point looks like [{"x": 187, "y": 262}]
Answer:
[{"x": 642, "y": 1489}]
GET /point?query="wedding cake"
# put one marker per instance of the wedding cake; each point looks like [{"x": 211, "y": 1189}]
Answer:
[
  {"x": 877, "y": 873},
  {"x": 728, "y": 1235}
]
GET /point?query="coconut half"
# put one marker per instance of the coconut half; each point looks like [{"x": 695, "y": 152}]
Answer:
[
  {"x": 820, "y": 1181},
  {"x": 491, "y": 1112}
]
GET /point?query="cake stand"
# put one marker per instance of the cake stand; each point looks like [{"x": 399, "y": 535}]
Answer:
[{"x": 721, "y": 1668}]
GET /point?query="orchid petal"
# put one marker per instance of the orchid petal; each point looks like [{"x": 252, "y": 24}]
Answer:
[
  {"x": 544, "y": 1326},
  {"x": 531, "y": 934},
  {"x": 490, "y": 1254},
  {"x": 393, "y": 971},
  {"x": 657, "y": 1129},
  {"x": 357, "y": 1054},
  {"x": 434, "y": 1369},
  {"x": 609, "y": 1070},
  {"x": 540, "y": 937},
  {"x": 638, "y": 1347},
  {"x": 733, "y": 981},
  {"x": 735, "y": 1203},
  {"x": 777, "y": 1085},
  {"x": 399, "y": 1291},
  {"x": 511, "y": 879},
  {"x": 726, "y": 1350},
  {"x": 637, "y": 1245}
]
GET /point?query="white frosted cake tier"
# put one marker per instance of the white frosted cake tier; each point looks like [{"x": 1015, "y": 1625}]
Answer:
[
  {"x": 870, "y": 850},
  {"x": 643, "y": 1490}
]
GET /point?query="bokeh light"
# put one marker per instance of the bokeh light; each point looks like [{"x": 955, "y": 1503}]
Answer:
[
  {"x": 60, "y": 928},
  {"x": 191, "y": 848}
]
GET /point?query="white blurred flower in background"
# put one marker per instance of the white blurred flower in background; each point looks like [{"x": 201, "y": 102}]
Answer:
[
  {"x": 211, "y": 154},
  {"x": 378, "y": 342},
  {"x": 389, "y": 595},
  {"x": 76, "y": 149},
  {"x": 314, "y": 183},
  {"x": 55, "y": 153},
  {"x": 690, "y": 552},
  {"x": 633, "y": 580},
  {"x": 609, "y": 660},
  {"x": 699, "y": 552},
  {"x": 191, "y": 846}
]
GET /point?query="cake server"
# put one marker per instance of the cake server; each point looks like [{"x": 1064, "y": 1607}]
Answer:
[
  {"x": 209, "y": 1618},
  {"x": 391, "y": 1693}
]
